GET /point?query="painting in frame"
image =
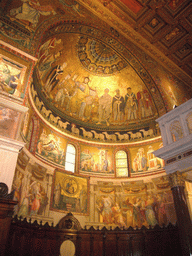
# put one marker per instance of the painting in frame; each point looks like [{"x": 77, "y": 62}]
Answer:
[
  {"x": 15, "y": 70},
  {"x": 70, "y": 193},
  {"x": 12, "y": 76}
]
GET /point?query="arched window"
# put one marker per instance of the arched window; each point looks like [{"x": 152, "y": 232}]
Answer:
[
  {"x": 121, "y": 164},
  {"x": 70, "y": 158}
]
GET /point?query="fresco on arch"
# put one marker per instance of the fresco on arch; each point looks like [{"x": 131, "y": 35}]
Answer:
[{"x": 51, "y": 146}]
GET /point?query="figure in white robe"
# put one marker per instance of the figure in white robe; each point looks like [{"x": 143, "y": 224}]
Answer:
[{"x": 31, "y": 10}]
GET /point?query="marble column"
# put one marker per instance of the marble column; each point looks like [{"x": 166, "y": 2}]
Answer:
[
  {"x": 188, "y": 186},
  {"x": 182, "y": 212}
]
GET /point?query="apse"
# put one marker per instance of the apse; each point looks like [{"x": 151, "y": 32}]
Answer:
[{"x": 82, "y": 85}]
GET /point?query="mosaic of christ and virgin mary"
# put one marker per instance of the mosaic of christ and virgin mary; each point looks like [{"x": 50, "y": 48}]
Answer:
[{"x": 115, "y": 99}]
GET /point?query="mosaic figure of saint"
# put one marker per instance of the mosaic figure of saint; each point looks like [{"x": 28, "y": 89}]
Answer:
[
  {"x": 144, "y": 104},
  {"x": 118, "y": 106},
  {"x": 31, "y": 10},
  {"x": 105, "y": 107},
  {"x": 130, "y": 105}
]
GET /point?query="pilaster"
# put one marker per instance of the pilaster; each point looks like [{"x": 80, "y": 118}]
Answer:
[
  {"x": 176, "y": 132},
  {"x": 9, "y": 150}
]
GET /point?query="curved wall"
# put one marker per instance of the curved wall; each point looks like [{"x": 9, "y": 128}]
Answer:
[{"x": 45, "y": 190}]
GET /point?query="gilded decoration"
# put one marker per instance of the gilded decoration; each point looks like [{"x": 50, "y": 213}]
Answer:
[
  {"x": 21, "y": 21},
  {"x": 98, "y": 83},
  {"x": 143, "y": 161},
  {"x": 101, "y": 54},
  {"x": 69, "y": 222},
  {"x": 70, "y": 193},
  {"x": 25, "y": 27},
  {"x": 98, "y": 58},
  {"x": 96, "y": 160},
  {"x": 177, "y": 179},
  {"x": 123, "y": 23},
  {"x": 108, "y": 89}
]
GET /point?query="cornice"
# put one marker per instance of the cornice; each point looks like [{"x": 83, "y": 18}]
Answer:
[
  {"x": 10, "y": 144},
  {"x": 18, "y": 51}
]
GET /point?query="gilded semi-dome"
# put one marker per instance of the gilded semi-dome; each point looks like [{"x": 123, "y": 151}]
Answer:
[{"x": 93, "y": 84}]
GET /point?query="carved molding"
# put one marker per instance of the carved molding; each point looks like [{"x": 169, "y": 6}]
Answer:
[
  {"x": 177, "y": 179},
  {"x": 10, "y": 144},
  {"x": 4, "y": 192},
  {"x": 69, "y": 222}
]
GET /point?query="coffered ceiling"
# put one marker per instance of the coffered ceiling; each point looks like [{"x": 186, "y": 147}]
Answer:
[
  {"x": 164, "y": 25},
  {"x": 167, "y": 25}
]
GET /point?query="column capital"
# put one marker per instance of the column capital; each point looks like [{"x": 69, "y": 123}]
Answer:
[{"x": 177, "y": 179}]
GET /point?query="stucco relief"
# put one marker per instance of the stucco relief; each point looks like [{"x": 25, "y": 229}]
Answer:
[
  {"x": 189, "y": 122},
  {"x": 176, "y": 131}
]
